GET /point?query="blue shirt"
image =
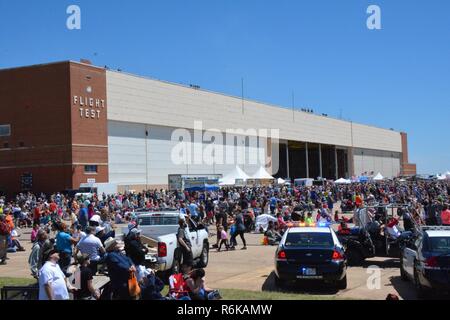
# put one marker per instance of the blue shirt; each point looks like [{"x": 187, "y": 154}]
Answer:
[
  {"x": 63, "y": 243},
  {"x": 273, "y": 201},
  {"x": 83, "y": 217},
  {"x": 193, "y": 209}
]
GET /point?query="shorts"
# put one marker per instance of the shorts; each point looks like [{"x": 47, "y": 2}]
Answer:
[{"x": 188, "y": 258}]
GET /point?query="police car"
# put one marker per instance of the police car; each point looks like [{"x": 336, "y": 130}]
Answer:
[
  {"x": 426, "y": 261},
  {"x": 311, "y": 253}
]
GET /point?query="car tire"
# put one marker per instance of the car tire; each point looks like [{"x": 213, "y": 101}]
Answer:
[
  {"x": 403, "y": 274},
  {"x": 342, "y": 284},
  {"x": 354, "y": 257},
  {"x": 279, "y": 283},
  {"x": 204, "y": 257}
]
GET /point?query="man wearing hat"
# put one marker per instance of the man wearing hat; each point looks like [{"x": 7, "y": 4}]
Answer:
[
  {"x": 134, "y": 247},
  {"x": 53, "y": 283},
  {"x": 92, "y": 246},
  {"x": 119, "y": 268}
]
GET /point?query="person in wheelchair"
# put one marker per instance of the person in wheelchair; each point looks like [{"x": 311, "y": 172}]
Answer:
[{"x": 393, "y": 231}]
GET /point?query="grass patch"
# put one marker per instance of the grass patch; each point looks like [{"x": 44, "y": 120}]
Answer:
[
  {"x": 237, "y": 294},
  {"x": 16, "y": 282}
]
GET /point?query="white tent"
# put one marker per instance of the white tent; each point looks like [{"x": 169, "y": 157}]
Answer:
[
  {"x": 231, "y": 177},
  {"x": 262, "y": 174},
  {"x": 439, "y": 177},
  {"x": 342, "y": 181},
  {"x": 447, "y": 174},
  {"x": 281, "y": 181},
  {"x": 262, "y": 222},
  {"x": 378, "y": 177}
]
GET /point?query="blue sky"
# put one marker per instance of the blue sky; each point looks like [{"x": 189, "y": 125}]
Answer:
[{"x": 397, "y": 77}]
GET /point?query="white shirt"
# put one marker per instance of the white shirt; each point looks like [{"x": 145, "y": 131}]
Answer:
[
  {"x": 90, "y": 245},
  {"x": 52, "y": 274},
  {"x": 393, "y": 232}
]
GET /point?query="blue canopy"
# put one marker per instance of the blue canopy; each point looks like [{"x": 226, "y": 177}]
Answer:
[
  {"x": 363, "y": 179},
  {"x": 203, "y": 187}
]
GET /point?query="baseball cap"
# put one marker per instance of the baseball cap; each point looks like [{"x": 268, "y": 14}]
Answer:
[
  {"x": 135, "y": 231},
  {"x": 99, "y": 229},
  {"x": 96, "y": 218}
]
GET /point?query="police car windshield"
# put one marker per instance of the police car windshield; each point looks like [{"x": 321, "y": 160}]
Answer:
[
  {"x": 439, "y": 244},
  {"x": 309, "y": 240}
]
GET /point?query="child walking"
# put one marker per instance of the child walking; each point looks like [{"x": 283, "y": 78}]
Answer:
[{"x": 223, "y": 239}]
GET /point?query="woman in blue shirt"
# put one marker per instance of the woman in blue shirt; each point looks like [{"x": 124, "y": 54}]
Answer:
[{"x": 64, "y": 242}]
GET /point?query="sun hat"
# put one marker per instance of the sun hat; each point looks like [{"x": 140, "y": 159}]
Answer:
[{"x": 110, "y": 243}]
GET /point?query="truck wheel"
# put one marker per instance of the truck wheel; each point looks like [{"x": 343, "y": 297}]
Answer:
[{"x": 204, "y": 257}]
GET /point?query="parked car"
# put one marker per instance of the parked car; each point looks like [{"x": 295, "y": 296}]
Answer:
[
  {"x": 426, "y": 261},
  {"x": 311, "y": 253}
]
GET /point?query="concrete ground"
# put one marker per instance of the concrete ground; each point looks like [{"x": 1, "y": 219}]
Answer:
[{"x": 252, "y": 270}]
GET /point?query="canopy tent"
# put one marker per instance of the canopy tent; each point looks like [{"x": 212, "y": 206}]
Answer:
[
  {"x": 447, "y": 174},
  {"x": 439, "y": 177},
  {"x": 262, "y": 174},
  {"x": 342, "y": 181},
  {"x": 281, "y": 181},
  {"x": 378, "y": 177},
  {"x": 231, "y": 177},
  {"x": 363, "y": 179},
  {"x": 203, "y": 187}
]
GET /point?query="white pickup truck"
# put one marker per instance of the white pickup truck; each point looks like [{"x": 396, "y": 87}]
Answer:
[{"x": 160, "y": 229}]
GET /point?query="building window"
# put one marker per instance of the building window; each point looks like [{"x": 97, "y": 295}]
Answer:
[
  {"x": 90, "y": 169},
  {"x": 5, "y": 130}
]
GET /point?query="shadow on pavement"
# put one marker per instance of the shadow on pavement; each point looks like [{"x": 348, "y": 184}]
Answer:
[
  {"x": 305, "y": 287},
  {"x": 405, "y": 289},
  {"x": 383, "y": 264}
]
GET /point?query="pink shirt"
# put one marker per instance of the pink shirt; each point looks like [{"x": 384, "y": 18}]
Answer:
[
  {"x": 223, "y": 235},
  {"x": 34, "y": 233}
]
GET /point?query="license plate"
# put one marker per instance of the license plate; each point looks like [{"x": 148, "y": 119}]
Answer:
[
  {"x": 310, "y": 277},
  {"x": 308, "y": 271}
]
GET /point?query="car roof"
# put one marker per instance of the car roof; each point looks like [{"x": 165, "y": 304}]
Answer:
[
  {"x": 310, "y": 230},
  {"x": 438, "y": 233}
]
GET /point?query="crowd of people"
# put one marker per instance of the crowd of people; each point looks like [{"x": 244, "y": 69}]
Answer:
[{"x": 68, "y": 231}]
